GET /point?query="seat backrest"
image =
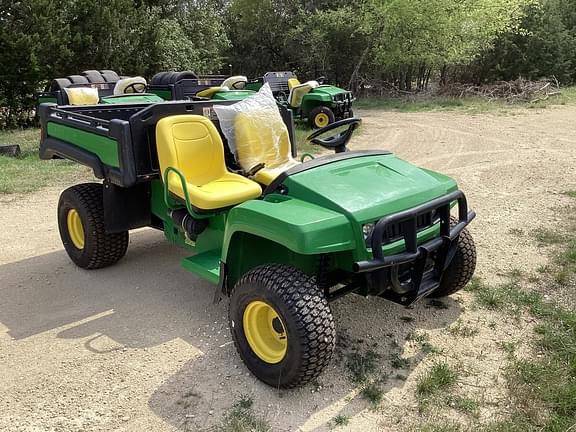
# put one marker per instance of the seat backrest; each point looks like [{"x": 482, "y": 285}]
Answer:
[
  {"x": 298, "y": 92},
  {"x": 82, "y": 95},
  {"x": 261, "y": 138},
  {"x": 293, "y": 82},
  {"x": 130, "y": 85},
  {"x": 191, "y": 144}
]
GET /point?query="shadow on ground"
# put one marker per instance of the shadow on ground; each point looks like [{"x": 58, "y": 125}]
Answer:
[{"x": 148, "y": 299}]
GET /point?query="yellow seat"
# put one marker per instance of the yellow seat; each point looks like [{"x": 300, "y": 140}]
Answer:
[
  {"x": 263, "y": 138},
  {"x": 211, "y": 91},
  {"x": 191, "y": 144},
  {"x": 298, "y": 92}
]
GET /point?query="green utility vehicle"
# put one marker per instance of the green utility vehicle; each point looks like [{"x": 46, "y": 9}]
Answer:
[
  {"x": 96, "y": 87},
  {"x": 320, "y": 104},
  {"x": 281, "y": 240},
  {"x": 189, "y": 86}
]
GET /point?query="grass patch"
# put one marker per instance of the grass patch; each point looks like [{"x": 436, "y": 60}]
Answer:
[
  {"x": 542, "y": 387},
  {"x": 545, "y": 236},
  {"x": 241, "y": 418},
  {"x": 398, "y": 362},
  {"x": 440, "y": 377},
  {"x": 362, "y": 365},
  {"x": 464, "y": 405},
  {"x": 472, "y": 105},
  {"x": 462, "y": 330},
  {"x": 341, "y": 420},
  {"x": 27, "y": 172},
  {"x": 373, "y": 393}
]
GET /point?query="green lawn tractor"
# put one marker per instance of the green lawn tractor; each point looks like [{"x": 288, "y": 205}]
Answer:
[
  {"x": 96, "y": 87},
  {"x": 279, "y": 237},
  {"x": 317, "y": 103},
  {"x": 189, "y": 86}
]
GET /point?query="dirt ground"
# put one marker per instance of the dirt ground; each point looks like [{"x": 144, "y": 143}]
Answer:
[{"x": 140, "y": 346}]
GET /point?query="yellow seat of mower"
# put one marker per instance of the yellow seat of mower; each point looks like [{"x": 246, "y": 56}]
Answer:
[
  {"x": 263, "y": 138},
  {"x": 211, "y": 91},
  {"x": 191, "y": 144}
]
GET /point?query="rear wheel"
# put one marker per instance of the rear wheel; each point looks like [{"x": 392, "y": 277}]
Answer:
[
  {"x": 321, "y": 117},
  {"x": 462, "y": 267},
  {"x": 282, "y": 325},
  {"x": 81, "y": 226}
]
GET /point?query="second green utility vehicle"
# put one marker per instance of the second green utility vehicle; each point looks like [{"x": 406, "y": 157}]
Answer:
[
  {"x": 279, "y": 237},
  {"x": 317, "y": 103}
]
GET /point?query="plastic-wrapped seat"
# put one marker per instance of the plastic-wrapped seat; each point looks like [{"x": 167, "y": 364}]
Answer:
[
  {"x": 191, "y": 145},
  {"x": 263, "y": 139},
  {"x": 298, "y": 92}
]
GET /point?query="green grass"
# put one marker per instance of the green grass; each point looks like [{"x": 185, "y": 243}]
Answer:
[
  {"x": 542, "y": 387},
  {"x": 472, "y": 105},
  {"x": 241, "y": 418},
  {"x": 341, "y": 420},
  {"x": 362, "y": 365},
  {"x": 373, "y": 393},
  {"x": 464, "y": 405},
  {"x": 27, "y": 172},
  {"x": 462, "y": 330},
  {"x": 440, "y": 377}
]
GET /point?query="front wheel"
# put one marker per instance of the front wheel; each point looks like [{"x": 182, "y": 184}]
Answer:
[
  {"x": 321, "y": 117},
  {"x": 461, "y": 269},
  {"x": 282, "y": 325}
]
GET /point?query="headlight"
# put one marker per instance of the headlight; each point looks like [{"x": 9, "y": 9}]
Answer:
[{"x": 367, "y": 231}]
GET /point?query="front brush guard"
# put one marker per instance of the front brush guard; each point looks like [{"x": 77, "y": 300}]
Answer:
[{"x": 441, "y": 250}]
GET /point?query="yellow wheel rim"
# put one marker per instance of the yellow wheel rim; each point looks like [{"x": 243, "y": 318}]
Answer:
[
  {"x": 75, "y": 229},
  {"x": 321, "y": 120},
  {"x": 265, "y": 332}
]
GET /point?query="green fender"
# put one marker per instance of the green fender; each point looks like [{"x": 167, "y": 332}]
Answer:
[{"x": 300, "y": 226}]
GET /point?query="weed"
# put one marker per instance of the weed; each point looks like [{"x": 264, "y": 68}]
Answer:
[
  {"x": 464, "y": 405},
  {"x": 407, "y": 319},
  {"x": 417, "y": 337},
  {"x": 462, "y": 330},
  {"x": 571, "y": 194},
  {"x": 440, "y": 376},
  {"x": 438, "y": 427},
  {"x": 518, "y": 232},
  {"x": 545, "y": 236},
  {"x": 398, "y": 362},
  {"x": 341, "y": 420},
  {"x": 373, "y": 393},
  {"x": 361, "y": 365},
  {"x": 428, "y": 348},
  {"x": 241, "y": 418},
  {"x": 508, "y": 347}
]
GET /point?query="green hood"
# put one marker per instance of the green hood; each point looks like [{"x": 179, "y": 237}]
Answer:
[
  {"x": 368, "y": 187},
  {"x": 329, "y": 90}
]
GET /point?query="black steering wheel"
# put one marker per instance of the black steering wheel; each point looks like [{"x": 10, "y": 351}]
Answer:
[
  {"x": 338, "y": 141},
  {"x": 320, "y": 80}
]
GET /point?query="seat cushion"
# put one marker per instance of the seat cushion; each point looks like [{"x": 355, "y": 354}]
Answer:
[
  {"x": 267, "y": 175},
  {"x": 229, "y": 190}
]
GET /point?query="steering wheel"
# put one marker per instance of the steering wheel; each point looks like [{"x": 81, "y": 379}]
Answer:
[
  {"x": 320, "y": 80},
  {"x": 238, "y": 85},
  {"x": 136, "y": 87},
  {"x": 338, "y": 141}
]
